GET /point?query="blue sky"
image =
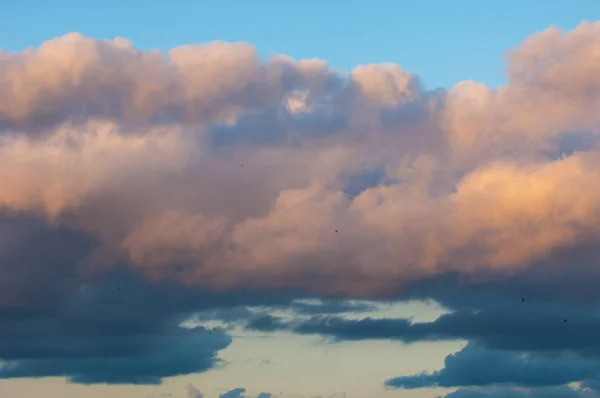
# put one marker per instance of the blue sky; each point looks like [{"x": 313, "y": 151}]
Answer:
[
  {"x": 169, "y": 180},
  {"x": 445, "y": 41}
]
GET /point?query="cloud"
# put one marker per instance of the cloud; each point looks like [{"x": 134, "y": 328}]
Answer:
[
  {"x": 235, "y": 393},
  {"x": 62, "y": 317},
  {"x": 240, "y": 393},
  {"x": 112, "y": 79},
  {"x": 96, "y": 332},
  {"x": 476, "y": 366},
  {"x": 205, "y": 177},
  {"x": 259, "y": 317},
  {"x": 592, "y": 384},
  {"x": 420, "y": 183},
  {"x": 193, "y": 392},
  {"x": 330, "y": 307},
  {"x": 550, "y": 392},
  {"x": 98, "y": 358},
  {"x": 505, "y": 326},
  {"x": 265, "y": 323},
  {"x": 31, "y": 255},
  {"x": 524, "y": 344}
]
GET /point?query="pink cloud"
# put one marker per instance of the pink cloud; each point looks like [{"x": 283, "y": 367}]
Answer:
[{"x": 473, "y": 184}]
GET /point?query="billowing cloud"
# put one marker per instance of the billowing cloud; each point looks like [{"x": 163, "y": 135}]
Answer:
[
  {"x": 211, "y": 178},
  {"x": 213, "y": 167}
]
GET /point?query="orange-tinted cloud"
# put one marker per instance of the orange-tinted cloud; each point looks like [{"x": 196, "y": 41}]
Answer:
[{"x": 212, "y": 166}]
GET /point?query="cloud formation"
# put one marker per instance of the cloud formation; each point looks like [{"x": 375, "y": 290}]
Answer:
[
  {"x": 550, "y": 392},
  {"x": 211, "y": 178},
  {"x": 92, "y": 333},
  {"x": 509, "y": 343},
  {"x": 235, "y": 393},
  {"x": 259, "y": 159},
  {"x": 510, "y": 326},
  {"x": 476, "y": 366}
]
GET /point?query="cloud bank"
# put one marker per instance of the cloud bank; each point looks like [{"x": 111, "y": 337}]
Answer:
[
  {"x": 205, "y": 177},
  {"x": 246, "y": 180}
]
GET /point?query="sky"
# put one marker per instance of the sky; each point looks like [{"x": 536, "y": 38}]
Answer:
[{"x": 259, "y": 199}]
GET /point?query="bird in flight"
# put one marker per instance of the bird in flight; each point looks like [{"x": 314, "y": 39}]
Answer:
[
  {"x": 522, "y": 300},
  {"x": 336, "y": 231},
  {"x": 565, "y": 320}
]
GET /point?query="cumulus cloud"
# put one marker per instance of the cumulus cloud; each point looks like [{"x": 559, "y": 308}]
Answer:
[
  {"x": 262, "y": 161},
  {"x": 231, "y": 181}
]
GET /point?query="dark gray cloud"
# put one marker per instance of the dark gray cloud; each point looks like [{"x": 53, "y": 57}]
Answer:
[
  {"x": 265, "y": 323},
  {"x": 39, "y": 264},
  {"x": 123, "y": 328},
  {"x": 61, "y": 318},
  {"x": 541, "y": 282},
  {"x": 326, "y": 306},
  {"x": 235, "y": 393},
  {"x": 258, "y": 318},
  {"x": 227, "y": 315},
  {"x": 136, "y": 359},
  {"x": 331, "y": 307},
  {"x": 593, "y": 384},
  {"x": 477, "y": 366},
  {"x": 525, "y": 344},
  {"x": 96, "y": 338},
  {"x": 508, "y": 392},
  {"x": 510, "y": 326}
]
